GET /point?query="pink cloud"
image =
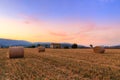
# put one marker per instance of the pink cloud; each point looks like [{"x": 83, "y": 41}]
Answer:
[
  {"x": 28, "y": 19},
  {"x": 62, "y": 34},
  {"x": 86, "y": 33},
  {"x": 26, "y": 22},
  {"x": 68, "y": 38}
]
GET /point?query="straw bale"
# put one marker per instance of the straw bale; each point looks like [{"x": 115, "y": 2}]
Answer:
[
  {"x": 41, "y": 49},
  {"x": 99, "y": 49},
  {"x": 16, "y": 52}
]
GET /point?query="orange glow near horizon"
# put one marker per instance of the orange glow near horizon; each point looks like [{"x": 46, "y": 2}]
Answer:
[{"x": 47, "y": 31}]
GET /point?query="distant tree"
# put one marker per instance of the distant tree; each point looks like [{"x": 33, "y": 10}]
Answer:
[
  {"x": 91, "y": 45},
  {"x": 1, "y": 46},
  {"x": 46, "y": 46},
  {"x": 38, "y": 45},
  {"x": 66, "y": 47},
  {"x": 74, "y": 45},
  {"x": 32, "y": 46}
]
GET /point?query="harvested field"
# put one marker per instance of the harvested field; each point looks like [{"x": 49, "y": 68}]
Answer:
[{"x": 61, "y": 64}]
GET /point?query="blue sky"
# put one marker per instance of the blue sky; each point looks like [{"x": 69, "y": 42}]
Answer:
[
  {"x": 55, "y": 17},
  {"x": 62, "y": 8}
]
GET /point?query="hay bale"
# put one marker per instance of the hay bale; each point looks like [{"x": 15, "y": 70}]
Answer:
[
  {"x": 16, "y": 52},
  {"x": 41, "y": 49},
  {"x": 99, "y": 49}
]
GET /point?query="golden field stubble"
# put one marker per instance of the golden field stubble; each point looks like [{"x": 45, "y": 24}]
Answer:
[{"x": 61, "y": 64}]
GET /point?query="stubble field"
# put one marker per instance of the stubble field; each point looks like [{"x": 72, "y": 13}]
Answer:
[{"x": 61, "y": 64}]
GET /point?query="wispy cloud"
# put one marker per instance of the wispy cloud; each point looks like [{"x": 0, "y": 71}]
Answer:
[
  {"x": 28, "y": 19},
  {"x": 63, "y": 34}
]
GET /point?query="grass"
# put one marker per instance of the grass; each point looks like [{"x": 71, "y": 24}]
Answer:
[{"x": 61, "y": 64}]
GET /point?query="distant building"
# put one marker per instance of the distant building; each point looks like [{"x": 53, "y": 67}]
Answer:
[{"x": 55, "y": 45}]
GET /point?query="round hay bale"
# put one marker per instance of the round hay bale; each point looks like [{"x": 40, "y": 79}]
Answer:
[
  {"x": 16, "y": 52},
  {"x": 99, "y": 49},
  {"x": 41, "y": 49}
]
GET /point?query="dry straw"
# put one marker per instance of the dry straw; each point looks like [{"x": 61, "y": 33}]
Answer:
[
  {"x": 41, "y": 49},
  {"x": 16, "y": 52},
  {"x": 98, "y": 49}
]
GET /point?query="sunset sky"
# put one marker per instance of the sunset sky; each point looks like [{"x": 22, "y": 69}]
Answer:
[{"x": 75, "y": 21}]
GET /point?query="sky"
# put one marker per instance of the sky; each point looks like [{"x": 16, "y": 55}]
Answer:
[{"x": 83, "y": 22}]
